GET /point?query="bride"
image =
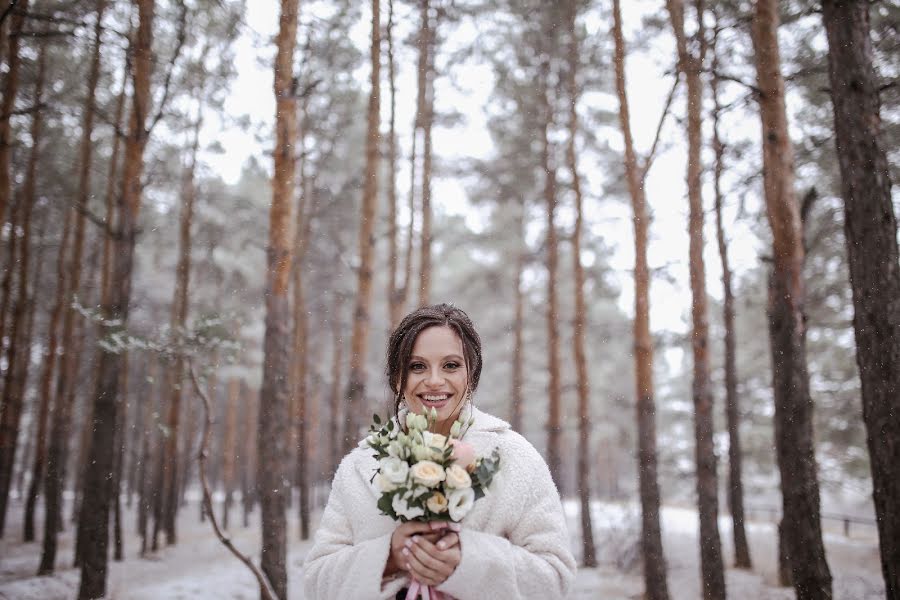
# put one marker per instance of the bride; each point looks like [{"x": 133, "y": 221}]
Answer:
[{"x": 512, "y": 544}]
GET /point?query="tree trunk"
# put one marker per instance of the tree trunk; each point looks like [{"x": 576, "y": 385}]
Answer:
[
  {"x": 337, "y": 348},
  {"x": 793, "y": 405},
  {"x": 655, "y": 583},
  {"x": 94, "y": 517},
  {"x": 554, "y": 409},
  {"x": 274, "y": 403},
  {"x": 229, "y": 452},
  {"x": 517, "y": 409},
  {"x": 12, "y": 400},
  {"x": 732, "y": 411},
  {"x": 356, "y": 388},
  {"x": 180, "y": 308},
  {"x": 47, "y": 370},
  {"x": 396, "y": 295},
  {"x": 870, "y": 227},
  {"x": 691, "y": 64},
  {"x": 148, "y": 406},
  {"x": 580, "y": 321},
  {"x": 10, "y": 90},
  {"x": 428, "y": 28},
  {"x": 249, "y": 468},
  {"x": 115, "y": 482}
]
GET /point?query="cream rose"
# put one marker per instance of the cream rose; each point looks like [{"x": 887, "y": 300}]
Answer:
[
  {"x": 458, "y": 478},
  {"x": 428, "y": 473},
  {"x": 435, "y": 442},
  {"x": 460, "y": 502},
  {"x": 383, "y": 484},
  {"x": 437, "y": 503}
]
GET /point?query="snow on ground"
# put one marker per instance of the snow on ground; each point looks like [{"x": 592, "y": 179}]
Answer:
[{"x": 199, "y": 567}]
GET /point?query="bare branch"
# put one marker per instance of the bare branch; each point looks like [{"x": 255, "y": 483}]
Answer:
[
  {"x": 179, "y": 44},
  {"x": 24, "y": 111},
  {"x": 265, "y": 588},
  {"x": 8, "y": 10},
  {"x": 726, "y": 77},
  {"x": 648, "y": 160}
]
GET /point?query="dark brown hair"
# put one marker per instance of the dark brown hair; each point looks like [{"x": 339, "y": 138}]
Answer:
[{"x": 403, "y": 338}]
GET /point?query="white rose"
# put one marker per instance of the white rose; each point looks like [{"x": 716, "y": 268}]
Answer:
[
  {"x": 397, "y": 450},
  {"x": 437, "y": 503},
  {"x": 427, "y": 473},
  {"x": 458, "y": 478},
  {"x": 460, "y": 502},
  {"x": 394, "y": 469},
  {"x": 432, "y": 441},
  {"x": 403, "y": 509},
  {"x": 383, "y": 484}
]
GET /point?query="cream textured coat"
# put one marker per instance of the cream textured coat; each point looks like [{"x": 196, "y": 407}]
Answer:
[{"x": 514, "y": 541}]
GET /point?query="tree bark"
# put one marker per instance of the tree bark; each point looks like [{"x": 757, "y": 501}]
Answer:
[
  {"x": 580, "y": 321},
  {"x": 793, "y": 405},
  {"x": 356, "y": 397},
  {"x": 94, "y": 516},
  {"x": 337, "y": 348},
  {"x": 250, "y": 462},
  {"x": 10, "y": 90},
  {"x": 13, "y": 386},
  {"x": 518, "y": 325},
  {"x": 274, "y": 404},
  {"x": 655, "y": 583},
  {"x": 691, "y": 64},
  {"x": 396, "y": 293},
  {"x": 732, "y": 411},
  {"x": 229, "y": 453},
  {"x": 870, "y": 228}
]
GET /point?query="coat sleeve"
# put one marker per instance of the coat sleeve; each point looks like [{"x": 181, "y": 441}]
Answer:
[
  {"x": 335, "y": 567},
  {"x": 533, "y": 560}
]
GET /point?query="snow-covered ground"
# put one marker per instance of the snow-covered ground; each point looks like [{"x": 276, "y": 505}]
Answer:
[{"x": 199, "y": 567}]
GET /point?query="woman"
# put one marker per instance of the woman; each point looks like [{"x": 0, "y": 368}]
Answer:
[{"x": 512, "y": 544}]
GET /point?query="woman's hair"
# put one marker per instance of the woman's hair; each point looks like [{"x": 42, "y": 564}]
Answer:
[{"x": 403, "y": 338}]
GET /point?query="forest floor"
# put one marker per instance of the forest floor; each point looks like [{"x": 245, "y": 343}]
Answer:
[{"x": 199, "y": 567}]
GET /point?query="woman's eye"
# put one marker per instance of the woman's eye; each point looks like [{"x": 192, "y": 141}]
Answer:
[
  {"x": 452, "y": 366},
  {"x": 416, "y": 367}
]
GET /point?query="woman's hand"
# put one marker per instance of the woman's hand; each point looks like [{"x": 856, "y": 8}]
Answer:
[
  {"x": 430, "y": 562},
  {"x": 400, "y": 540}
]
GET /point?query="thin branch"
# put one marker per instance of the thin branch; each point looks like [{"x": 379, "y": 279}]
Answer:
[
  {"x": 8, "y": 10},
  {"x": 734, "y": 79},
  {"x": 265, "y": 588},
  {"x": 24, "y": 111},
  {"x": 648, "y": 160},
  {"x": 179, "y": 44}
]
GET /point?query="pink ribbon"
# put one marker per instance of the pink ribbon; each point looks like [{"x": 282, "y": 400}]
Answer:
[{"x": 428, "y": 592}]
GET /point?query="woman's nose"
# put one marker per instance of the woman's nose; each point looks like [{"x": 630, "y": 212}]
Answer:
[{"x": 434, "y": 377}]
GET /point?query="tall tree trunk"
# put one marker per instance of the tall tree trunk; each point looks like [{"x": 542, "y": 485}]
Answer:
[
  {"x": 396, "y": 294},
  {"x": 44, "y": 393},
  {"x": 58, "y": 450},
  {"x": 229, "y": 451},
  {"x": 337, "y": 351},
  {"x": 518, "y": 325},
  {"x": 732, "y": 412},
  {"x": 655, "y": 583},
  {"x": 691, "y": 64},
  {"x": 180, "y": 308},
  {"x": 580, "y": 321},
  {"x": 428, "y": 30},
  {"x": 300, "y": 341},
  {"x": 554, "y": 409},
  {"x": 870, "y": 227},
  {"x": 148, "y": 406},
  {"x": 10, "y": 90},
  {"x": 250, "y": 462},
  {"x": 793, "y": 405},
  {"x": 356, "y": 388},
  {"x": 274, "y": 403},
  {"x": 115, "y": 482},
  {"x": 94, "y": 517},
  {"x": 12, "y": 400}
]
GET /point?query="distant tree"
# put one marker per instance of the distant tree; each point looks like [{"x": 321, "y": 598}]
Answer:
[
  {"x": 424, "y": 123},
  {"x": 870, "y": 227},
  {"x": 793, "y": 405},
  {"x": 10, "y": 90},
  {"x": 691, "y": 63},
  {"x": 356, "y": 385},
  {"x": 732, "y": 411}
]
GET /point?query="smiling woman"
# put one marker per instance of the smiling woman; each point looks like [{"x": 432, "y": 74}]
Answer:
[{"x": 511, "y": 543}]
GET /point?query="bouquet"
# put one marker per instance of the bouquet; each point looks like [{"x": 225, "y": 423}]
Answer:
[{"x": 426, "y": 476}]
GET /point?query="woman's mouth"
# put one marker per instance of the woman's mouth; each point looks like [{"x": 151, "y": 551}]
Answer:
[{"x": 436, "y": 401}]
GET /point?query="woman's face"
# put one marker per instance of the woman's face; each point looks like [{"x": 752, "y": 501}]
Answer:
[{"x": 436, "y": 375}]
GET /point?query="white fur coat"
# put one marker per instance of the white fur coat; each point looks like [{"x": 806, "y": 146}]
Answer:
[{"x": 514, "y": 541}]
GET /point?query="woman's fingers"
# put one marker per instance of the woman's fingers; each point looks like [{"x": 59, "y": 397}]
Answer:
[{"x": 422, "y": 566}]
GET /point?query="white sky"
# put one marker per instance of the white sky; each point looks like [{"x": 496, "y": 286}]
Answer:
[{"x": 648, "y": 86}]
